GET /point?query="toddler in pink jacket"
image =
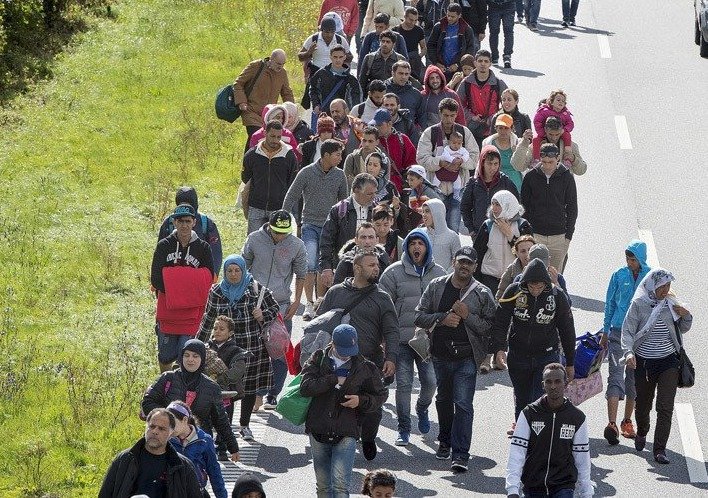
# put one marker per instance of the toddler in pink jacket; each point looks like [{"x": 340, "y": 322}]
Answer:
[{"x": 554, "y": 106}]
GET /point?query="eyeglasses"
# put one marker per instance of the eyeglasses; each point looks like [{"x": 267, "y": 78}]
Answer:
[{"x": 549, "y": 154}]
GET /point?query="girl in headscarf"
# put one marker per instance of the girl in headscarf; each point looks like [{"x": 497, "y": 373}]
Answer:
[
  {"x": 276, "y": 112},
  {"x": 376, "y": 165},
  {"x": 252, "y": 308},
  {"x": 190, "y": 384},
  {"x": 651, "y": 345},
  {"x": 300, "y": 130}
]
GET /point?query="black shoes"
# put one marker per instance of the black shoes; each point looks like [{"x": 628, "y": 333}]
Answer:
[
  {"x": 507, "y": 62},
  {"x": 640, "y": 442},
  {"x": 459, "y": 466},
  {"x": 369, "y": 449},
  {"x": 660, "y": 457},
  {"x": 612, "y": 434},
  {"x": 443, "y": 452}
]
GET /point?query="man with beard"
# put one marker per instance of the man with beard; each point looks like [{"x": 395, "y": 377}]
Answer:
[
  {"x": 550, "y": 448},
  {"x": 365, "y": 240},
  {"x": 378, "y": 65},
  {"x": 366, "y": 110},
  {"x": 376, "y": 323},
  {"x": 397, "y": 146},
  {"x": 450, "y": 39},
  {"x": 152, "y": 467},
  {"x": 435, "y": 89},
  {"x": 344, "y": 128},
  {"x": 401, "y": 118},
  {"x": 408, "y": 94},
  {"x": 459, "y": 312}
]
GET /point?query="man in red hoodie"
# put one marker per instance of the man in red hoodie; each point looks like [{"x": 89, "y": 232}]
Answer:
[
  {"x": 348, "y": 10},
  {"x": 435, "y": 89}
]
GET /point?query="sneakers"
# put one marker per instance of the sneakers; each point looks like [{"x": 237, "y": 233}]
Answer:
[
  {"x": 533, "y": 27},
  {"x": 640, "y": 442},
  {"x": 627, "y": 429},
  {"x": 510, "y": 432},
  {"x": 271, "y": 403},
  {"x": 443, "y": 452},
  {"x": 458, "y": 466},
  {"x": 403, "y": 439},
  {"x": 572, "y": 22},
  {"x": 564, "y": 24},
  {"x": 495, "y": 61},
  {"x": 612, "y": 434},
  {"x": 660, "y": 457},
  {"x": 309, "y": 312},
  {"x": 246, "y": 433},
  {"x": 486, "y": 365},
  {"x": 423, "y": 421},
  {"x": 507, "y": 62},
  {"x": 369, "y": 449}
]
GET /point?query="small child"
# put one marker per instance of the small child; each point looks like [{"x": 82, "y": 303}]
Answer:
[
  {"x": 379, "y": 483},
  {"x": 454, "y": 150},
  {"x": 467, "y": 65},
  {"x": 554, "y": 106}
]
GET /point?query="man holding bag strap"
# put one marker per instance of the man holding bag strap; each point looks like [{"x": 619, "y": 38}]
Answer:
[{"x": 376, "y": 322}]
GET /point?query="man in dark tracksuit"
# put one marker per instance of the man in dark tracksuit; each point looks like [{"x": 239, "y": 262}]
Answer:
[{"x": 550, "y": 449}]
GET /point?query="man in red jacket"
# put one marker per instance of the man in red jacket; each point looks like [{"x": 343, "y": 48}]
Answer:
[{"x": 398, "y": 147}]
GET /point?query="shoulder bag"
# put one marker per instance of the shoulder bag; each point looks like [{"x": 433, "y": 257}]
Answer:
[
  {"x": 687, "y": 374},
  {"x": 225, "y": 104}
]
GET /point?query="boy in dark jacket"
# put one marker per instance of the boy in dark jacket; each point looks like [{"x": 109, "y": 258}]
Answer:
[{"x": 550, "y": 448}]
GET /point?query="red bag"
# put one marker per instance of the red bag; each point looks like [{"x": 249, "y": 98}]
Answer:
[
  {"x": 292, "y": 358},
  {"x": 276, "y": 338}
]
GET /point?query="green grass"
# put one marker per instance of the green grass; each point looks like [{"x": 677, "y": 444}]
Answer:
[{"x": 89, "y": 163}]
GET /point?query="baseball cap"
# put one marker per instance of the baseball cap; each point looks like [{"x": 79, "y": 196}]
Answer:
[
  {"x": 280, "y": 221},
  {"x": 345, "y": 340},
  {"x": 417, "y": 169},
  {"x": 467, "y": 252},
  {"x": 504, "y": 120},
  {"x": 381, "y": 116},
  {"x": 179, "y": 408},
  {"x": 184, "y": 210}
]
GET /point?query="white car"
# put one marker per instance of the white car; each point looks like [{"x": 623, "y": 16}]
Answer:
[{"x": 701, "y": 9}]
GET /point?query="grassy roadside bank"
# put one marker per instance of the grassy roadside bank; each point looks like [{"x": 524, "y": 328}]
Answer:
[{"x": 89, "y": 164}]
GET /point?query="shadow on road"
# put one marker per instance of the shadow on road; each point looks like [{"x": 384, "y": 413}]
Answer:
[
  {"x": 588, "y": 304},
  {"x": 475, "y": 480},
  {"x": 527, "y": 73}
]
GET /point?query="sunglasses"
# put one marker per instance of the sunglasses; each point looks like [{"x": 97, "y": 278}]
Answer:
[{"x": 549, "y": 154}]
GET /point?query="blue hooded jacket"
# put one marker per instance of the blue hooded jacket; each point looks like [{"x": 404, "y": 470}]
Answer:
[
  {"x": 202, "y": 454},
  {"x": 418, "y": 233},
  {"x": 622, "y": 286}
]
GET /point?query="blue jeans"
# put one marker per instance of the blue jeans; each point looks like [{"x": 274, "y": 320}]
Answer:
[
  {"x": 526, "y": 374},
  {"x": 404, "y": 385},
  {"x": 257, "y": 218},
  {"x": 310, "y": 235},
  {"x": 456, "y": 384},
  {"x": 570, "y": 9},
  {"x": 519, "y": 7},
  {"x": 533, "y": 8},
  {"x": 561, "y": 493},
  {"x": 453, "y": 214},
  {"x": 501, "y": 14},
  {"x": 333, "y": 466}
]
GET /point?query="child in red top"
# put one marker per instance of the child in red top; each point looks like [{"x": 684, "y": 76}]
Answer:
[{"x": 554, "y": 106}]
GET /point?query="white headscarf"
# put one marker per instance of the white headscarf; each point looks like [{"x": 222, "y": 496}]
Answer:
[
  {"x": 646, "y": 291},
  {"x": 509, "y": 204}
]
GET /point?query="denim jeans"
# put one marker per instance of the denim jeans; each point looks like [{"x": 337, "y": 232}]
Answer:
[
  {"x": 310, "y": 235},
  {"x": 453, "y": 215},
  {"x": 533, "y": 8},
  {"x": 526, "y": 373},
  {"x": 501, "y": 14},
  {"x": 256, "y": 218},
  {"x": 561, "y": 493},
  {"x": 404, "y": 385},
  {"x": 570, "y": 9},
  {"x": 333, "y": 466},
  {"x": 456, "y": 384},
  {"x": 519, "y": 7}
]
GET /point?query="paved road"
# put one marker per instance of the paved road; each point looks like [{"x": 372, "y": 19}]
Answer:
[{"x": 650, "y": 74}]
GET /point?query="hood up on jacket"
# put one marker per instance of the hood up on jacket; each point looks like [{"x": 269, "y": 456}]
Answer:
[
  {"x": 188, "y": 195},
  {"x": 247, "y": 483},
  {"x": 437, "y": 209},
  {"x": 418, "y": 233},
  {"x": 270, "y": 110},
  {"x": 536, "y": 271},
  {"x": 430, "y": 70},
  {"x": 479, "y": 171},
  {"x": 639, "y": 249}
]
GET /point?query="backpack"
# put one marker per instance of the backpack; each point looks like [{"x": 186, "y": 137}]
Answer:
[{"x": 205, "y": 223}]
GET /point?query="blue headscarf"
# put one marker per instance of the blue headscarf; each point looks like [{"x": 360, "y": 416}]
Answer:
[{"x": 234, "y": 292}]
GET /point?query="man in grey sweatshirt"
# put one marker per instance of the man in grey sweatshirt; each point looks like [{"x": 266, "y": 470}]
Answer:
[
  {"x": 273, "y": 256},
  {"x": 321, "y": 185}
]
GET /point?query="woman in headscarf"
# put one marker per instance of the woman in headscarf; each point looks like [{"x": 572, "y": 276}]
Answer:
[
  {"x": 651, "y": 345},
  {"x": 252, "y": 308},
  {"x": 376, "y": 165},
  {"x": 188, "y": 383},
  {"x": 300, "y": 130}
]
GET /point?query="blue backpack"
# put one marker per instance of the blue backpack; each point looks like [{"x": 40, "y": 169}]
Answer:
[{"x": 589, "y": 355}]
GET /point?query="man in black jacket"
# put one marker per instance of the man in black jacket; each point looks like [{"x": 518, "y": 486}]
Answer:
[
  {"x": 152, "y": 466},
  {"x": 551, "y": 200},
  {"x": 451, "y": 38},
  {"x": 334, "y": 81},
  {"x": 271, "y": 167},
  {"x": 550, "y": 448}
]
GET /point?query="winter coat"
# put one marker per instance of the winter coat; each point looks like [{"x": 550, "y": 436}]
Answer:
[
  {"x": 323, "y": 82},
  {"x": 259, "y": 374},
  {"x": 169, "y": 252},
  {"x": 235, "y": 359},
  {"x": 523, "y": 160},
  {"x": 550, "y": 451},
  {"x": 375, "y": 67},
  {"x": 478, "y": 323},
  {"x": 445, "y": 242},
  {"x": 269, "y": 86},
  {"x": 546, "y": 111},
  {"x": 319, "y": 190},
  {"x": 621, "y": 288},
  {"x": 275, "y": 264},
  {"x": 401, "y": 151},
  {"x": 302, "y": 132},
  {"x": 536, "y": 322},
  {"x": 124, "y": 471},
  {"x": 431, "y": 100},
  {"x": 345, "y": 267},
  {"x": 465, "y": 42},
  {"x": 326, "y": 416},
  {"x": 207, "y": 405},
  {"x": 551, "y": 203},
  {"x": 410, "y": 98},
  {"x": 494, "y": 259},
  {"x": 405, "y": 283},
  {"x": 270, "y": 177},
  {"x": 348, "y": 10},
  {"x": 393, "y": 8},
  {"x": 482, "y": 100},
  {"x": 199, "y": 448},
  {"x": 374, "y": 319},
  {"x": 338, "y": 229}
]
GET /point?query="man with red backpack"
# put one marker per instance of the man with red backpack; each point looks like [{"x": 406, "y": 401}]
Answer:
[{"x": 480, "y": 93}]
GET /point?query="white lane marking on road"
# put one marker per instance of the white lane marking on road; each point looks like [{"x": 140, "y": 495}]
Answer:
[
  {"x": 652, "y": 255},
  {"x": 604, "y": 43},
  {"x": 691, "y": 443},
  {"x": 623, "y": 133}
]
